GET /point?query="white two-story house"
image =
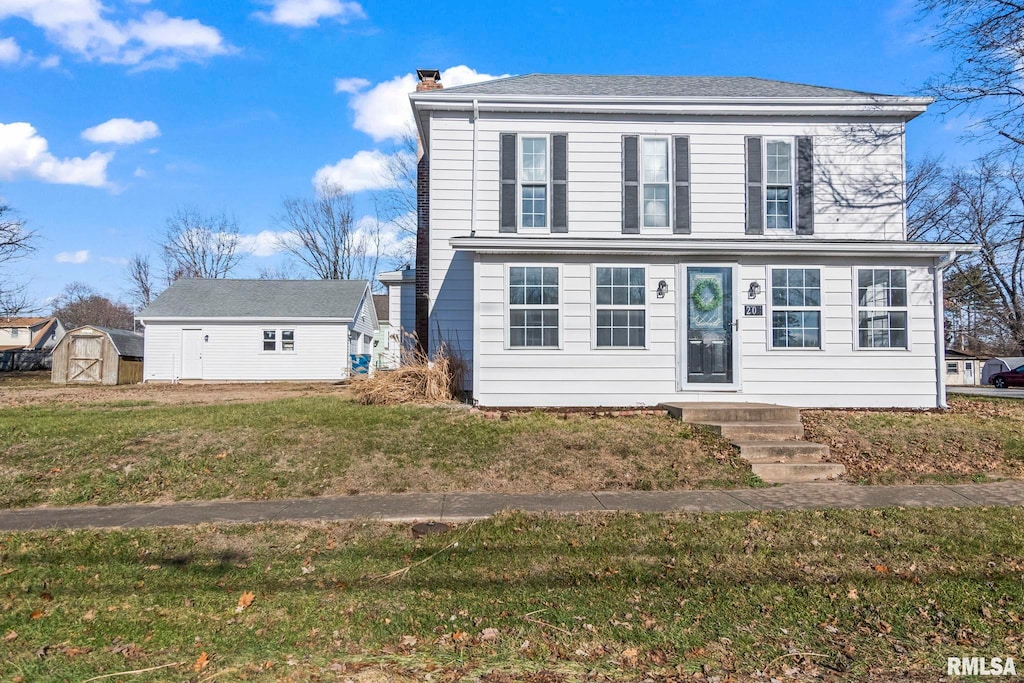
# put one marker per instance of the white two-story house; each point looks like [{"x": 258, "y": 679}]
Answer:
[{"x": 633, "y": 240}]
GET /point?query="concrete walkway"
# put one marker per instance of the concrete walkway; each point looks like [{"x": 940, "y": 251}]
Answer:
[{"x": 406, "y": 507}]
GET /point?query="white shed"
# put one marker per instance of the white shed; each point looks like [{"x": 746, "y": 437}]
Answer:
[
  {"x": 259, "y": 330},
  {"x": 1003, "y": 364},
  {"x": 401, "y": 286}
]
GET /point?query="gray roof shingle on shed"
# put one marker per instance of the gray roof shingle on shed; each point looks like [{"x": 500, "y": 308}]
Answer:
[
  {"x": 128, "y": 344},
  {"x": 571, "y": 85},
  {"x": 287, "y": 299}
]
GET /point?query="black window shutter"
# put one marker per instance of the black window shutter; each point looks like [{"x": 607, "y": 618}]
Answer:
[
  {"x": 630, "y": 186},
  {"x": 755, "y": 188},
  {"x": 507, "y": 197},
  {"x": 559, "y": 177},
  {"x": 805, "y": 185},
  {"x": 682, "y": 198}
]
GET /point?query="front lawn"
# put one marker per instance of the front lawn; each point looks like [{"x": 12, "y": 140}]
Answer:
[
  {"x": 137, "y": 450},
  {"x": 842, "y": 595}
]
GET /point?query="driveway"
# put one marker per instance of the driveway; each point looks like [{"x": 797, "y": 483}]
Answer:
[{"x": 987, "y": 391}]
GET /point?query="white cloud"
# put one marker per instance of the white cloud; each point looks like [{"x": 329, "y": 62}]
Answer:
[
  {"x": 140, "y": 172},
  {"x": 393, "y": 241},
  {"x": 24, "y": 153},
  {"x": 383, "y": 111},
  {"x": 367, "y": 170},
  {"x": 121, "y": 132},
  {"x": 76, "y": 257},
  {"x": 305, "y": 13},
  {"x": 10, "y": 51},
  {"x": 350, "y": 85},
  {"x": 152, "y": 39},
  {"x": 264, "y": 243},
  {"x": 51, "y": 62}
]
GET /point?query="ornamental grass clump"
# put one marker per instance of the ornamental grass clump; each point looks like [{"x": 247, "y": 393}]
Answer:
[{"x": 419, "y": 379}]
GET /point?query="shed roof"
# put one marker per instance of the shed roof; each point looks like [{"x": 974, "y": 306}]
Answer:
[
  {"x": 23, "y": 321},
  {"x": 127, "y": 343},
  {"x": 575, "y": 85},
  {"x": 1011, "y": 361},
  {"x": 380, "y": 304},
  {"x": 288, "y": 299}
]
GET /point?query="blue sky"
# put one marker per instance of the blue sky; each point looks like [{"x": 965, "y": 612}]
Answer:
[{"x": 231, "y": 106}]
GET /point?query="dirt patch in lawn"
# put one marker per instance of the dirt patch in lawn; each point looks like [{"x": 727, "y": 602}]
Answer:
[
  {"x": 975, "y": 439},
  {"x": 34, "y": 388}
]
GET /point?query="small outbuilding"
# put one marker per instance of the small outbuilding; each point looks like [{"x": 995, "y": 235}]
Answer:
[
  {"x": 98, "y": 355},
  {"x": 1001, "y": 364},
  {"x": 963, "y": 369}
]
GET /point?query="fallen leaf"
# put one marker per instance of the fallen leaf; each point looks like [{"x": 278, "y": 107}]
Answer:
[
  {"x": 38, "y": 614},
  {"x": 46, "y": 595},
  {"x": 409, "y": 641},
  {"x": 629, "y": 657},
  {"x": 489, "y": 634},
  {"x": 221, "y": 455},
  {"x": 853, "y": 594},
  {"x": 244, "y": 600},
  {"x": 459, "y": 636},
  {"x": 89, "y": 616},
  {"x": 881, "y": 569},
  {"x": 202, "y": 661},
  {"x": 11, "y": 635}
]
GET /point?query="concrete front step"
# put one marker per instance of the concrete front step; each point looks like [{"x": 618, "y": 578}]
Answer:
[
  {"x": 758, "y": 431},
  {"x": 722, "y": 412},
  {"x": 781, "y": 451},
  {"x": 787, "y": 473}
]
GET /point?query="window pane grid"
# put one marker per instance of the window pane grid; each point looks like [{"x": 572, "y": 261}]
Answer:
[
  {"x": 882, "y": 299},
  {"x": 779, "y": 181},
  {"x": 533, "y": 160},
  {"x": 656, "y": 179},
  {"x": 621, "y": 317},
  {"x": 533, "y": 306},
  {"x": 535, "y": 206},
  {"x": 796, "y": 308}
]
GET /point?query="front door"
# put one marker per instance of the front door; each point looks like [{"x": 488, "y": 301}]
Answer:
[
  {"x": 191, "y": 354},
  {"x": 709, "y": 325}
]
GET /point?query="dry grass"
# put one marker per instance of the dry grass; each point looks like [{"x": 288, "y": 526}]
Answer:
[
  {"x": 976, "y": 439},
  {"x": 419, "y": 379}
]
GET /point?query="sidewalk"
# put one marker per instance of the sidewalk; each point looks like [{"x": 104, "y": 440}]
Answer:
[{"x": 453, "y": 507}]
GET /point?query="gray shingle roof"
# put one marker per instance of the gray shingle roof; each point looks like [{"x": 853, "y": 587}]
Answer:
[
  {"x": 258, "y": 299},
  {"x": 129, "y": 344},
  {"x": 647, "y": 86}
]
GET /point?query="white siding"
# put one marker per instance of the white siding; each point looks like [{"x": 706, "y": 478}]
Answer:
[
  {"x": 234, "y": 351},
  {"x": 578, "y": 374}
]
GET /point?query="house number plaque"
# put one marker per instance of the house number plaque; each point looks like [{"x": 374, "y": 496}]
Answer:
[{"x": 749, "y": 309}]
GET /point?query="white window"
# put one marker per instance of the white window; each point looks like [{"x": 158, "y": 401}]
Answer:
[
  {"x": 951, "y": 368},
  {"x": 533, "y": 306},
  {"x": 533, "y": 171},
  {"x": 621, "y": 317},
  {"x": 796, "y": 308},
  {"x": 15, "y": 332},
  {"x": 287, "y": 340},
  {"x": 779, "y": 185},
  {"x": 882, "y": 308},
  {"x": 270, "y": 340},
  {"x": 655, "y": 176}
]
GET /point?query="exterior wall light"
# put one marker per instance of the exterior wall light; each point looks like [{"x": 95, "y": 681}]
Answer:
[
  {"x": 753, "y": 290},
  {"x": 662, "y": 288}
]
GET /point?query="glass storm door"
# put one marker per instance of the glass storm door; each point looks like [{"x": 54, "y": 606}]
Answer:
[{"x": 709, "y": 325}]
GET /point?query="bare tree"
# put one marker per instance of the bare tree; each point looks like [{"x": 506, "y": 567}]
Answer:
[
  {"x": 324, "y": 236},
  {"x": 200, "y": 245},
  {"x": 930, "y": 201},
  {"x": 15, "y": 242},
  {"x": 287, "y": 270},
  {"x": 990, "y": 212},
  {"x": 398, "y": 201},
  {"x": 985, "y": 39},
  {"x": 79, "y": 304},
  {"x": 141, "y": 286}
]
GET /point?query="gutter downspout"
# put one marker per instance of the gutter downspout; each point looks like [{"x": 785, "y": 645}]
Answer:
[
  {"x": 940, "y": 327},
  {"x": 472, "y": 191}
]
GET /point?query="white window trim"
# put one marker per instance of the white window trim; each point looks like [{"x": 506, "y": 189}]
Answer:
[
  {"x": 857, "y": 308},
  {"x": 670, "y": 182},
  {"x": 595, "y": 306},
  {"x": 520, "y": 184},
  {"x": 507, "y": 318},
  {"x": 770, "y": 309},
  {"x": 279, "y": 341},
  {"x": 792, "y": 185}
]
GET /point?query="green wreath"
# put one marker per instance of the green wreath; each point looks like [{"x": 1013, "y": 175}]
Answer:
[{"x": 706, "y": 295}]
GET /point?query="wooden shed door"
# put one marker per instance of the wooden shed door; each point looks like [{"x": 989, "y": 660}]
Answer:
[{"x": 85, "y": 359}]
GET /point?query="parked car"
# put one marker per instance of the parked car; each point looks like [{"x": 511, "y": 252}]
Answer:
[{"x": 1011, "y": 378}]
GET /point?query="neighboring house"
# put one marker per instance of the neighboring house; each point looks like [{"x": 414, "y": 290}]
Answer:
[
  {"x": 98, "y": 355},
  {"x": 1001, "y": 364},
  {"x": 631, "y": 240},
  {"x": 384, "y": 354},
  {"x": 245, "y": 330},
  {"x": 401, "y": 286},
  {"x": 963, "y": 369},
  {"x": 26, "y": 343}
]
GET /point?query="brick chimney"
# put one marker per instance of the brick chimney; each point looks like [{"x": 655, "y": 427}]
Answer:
[{"x": 430, "y": 79}]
